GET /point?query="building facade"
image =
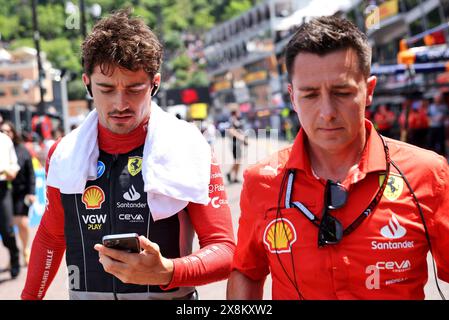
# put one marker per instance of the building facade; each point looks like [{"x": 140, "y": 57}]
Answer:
[
  {"x": 246, "y": 62},
  {"x": 242, "y": 64},
  {"x": 19, "y": 78}
]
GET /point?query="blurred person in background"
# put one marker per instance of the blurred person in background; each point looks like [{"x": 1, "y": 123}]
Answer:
[
  {"x": 288, "y": 127},
  {"x": 58, "y": 133},
  {"x": 23, "y": 192},
  {"x": 30, "y": 141},
  {"x": 238, "y": 140},
  {"x": 419, "y": 124},
  {"x": 384, "y": 119},
  {"x": 209, "y": 131},
  {"x": 403, "y": 125},
  {"x": 437, "y": 113},
  {"x": 414, "y": 122},
  {"x": 8, "y": 171}
]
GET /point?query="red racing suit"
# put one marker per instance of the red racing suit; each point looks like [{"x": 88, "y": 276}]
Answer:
[{"x": 117, "y": 203}]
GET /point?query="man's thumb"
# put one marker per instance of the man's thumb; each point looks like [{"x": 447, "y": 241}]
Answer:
[{"x": 148, "y": 246}]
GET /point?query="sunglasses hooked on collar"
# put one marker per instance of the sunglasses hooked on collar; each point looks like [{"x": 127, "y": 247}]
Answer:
[{"x": 330, "y": 230}]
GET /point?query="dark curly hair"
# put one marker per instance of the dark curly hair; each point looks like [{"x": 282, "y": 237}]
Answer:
[
  {"x": 119, "y": 40},
  {"x": 324, "y": 35}
]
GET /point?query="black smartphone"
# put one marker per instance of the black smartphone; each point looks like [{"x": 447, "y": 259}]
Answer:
[{"x": 125, "y": 241}]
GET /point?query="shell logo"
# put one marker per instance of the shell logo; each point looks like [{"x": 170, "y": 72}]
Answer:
[
  {"x": 279, "y": 236},
  {"x": 93, "y": 197}
]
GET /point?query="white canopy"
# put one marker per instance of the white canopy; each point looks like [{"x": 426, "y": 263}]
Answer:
[
  {"x": 4, "y": 55},
  {"x": 315, "y": 8}
]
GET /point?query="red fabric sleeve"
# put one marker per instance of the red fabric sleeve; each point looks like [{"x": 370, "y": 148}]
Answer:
[
  {"x": 250, "y": 257},
  {"x": 439, "y": 223},
  {"x": 213, "y": 226},
  {"x": 48, "y": 246}
]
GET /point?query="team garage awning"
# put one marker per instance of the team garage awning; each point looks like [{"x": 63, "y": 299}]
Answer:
[{"x": 431, "y": 67}]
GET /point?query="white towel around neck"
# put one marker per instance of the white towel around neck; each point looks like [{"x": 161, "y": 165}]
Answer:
[{"x": 175, "y": 164}]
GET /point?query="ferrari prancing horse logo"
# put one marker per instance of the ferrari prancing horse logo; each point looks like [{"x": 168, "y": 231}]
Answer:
[
  {"x": 394, "y": 187},
  {"x": 134, "y": 165}
]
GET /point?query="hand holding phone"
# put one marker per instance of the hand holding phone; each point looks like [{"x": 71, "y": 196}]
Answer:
[
  {"x": 150, "y": 268},
  {"x": 125, "y": 241}
]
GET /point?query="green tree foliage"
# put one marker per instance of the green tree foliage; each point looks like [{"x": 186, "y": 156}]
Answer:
[
  {"x": 181, "y": 62},
  {"x": 198, "y": 79},
  {"x": 174, "y": 21},
  {"x": 6, "y": 7},
  {"x": 181, "y": 78},
  {"x": 236, "y": 7},
  {"x": 203, "y": 19},
  {"x": 173, "y": 41},
  {"x": 8, "y": 27},
  {"x": 23, "y": 42},
  {"x": 51, "y": 20},
  {"x": 60, "y": 52},
  {"x": 148, "y": 16},
  {"x": 26, "y": 22}
]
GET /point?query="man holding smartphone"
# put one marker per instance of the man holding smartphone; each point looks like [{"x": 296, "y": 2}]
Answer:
[{"x": 130, "y": 168}]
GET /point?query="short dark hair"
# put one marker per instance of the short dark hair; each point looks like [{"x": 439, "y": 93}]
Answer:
[
  {"x": 120, "y": 40},
  {"x": 324, "y": 35}
]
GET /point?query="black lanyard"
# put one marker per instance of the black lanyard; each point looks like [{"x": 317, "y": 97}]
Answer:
[{"x": 358, "y": 221}]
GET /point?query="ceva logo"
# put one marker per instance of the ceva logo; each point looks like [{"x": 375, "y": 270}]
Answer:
[
  {"x": 393, "y": 230},
  {"x": 394, "y": 265}
]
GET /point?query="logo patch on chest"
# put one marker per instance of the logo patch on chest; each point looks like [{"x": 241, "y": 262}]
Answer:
[
  {"x": 94, "y": 222},
  {"x": 93, "y": 197},
  {"x": 134, "y": 165},
  {"x": 279, "y": 236},
  {"x": 394, "y": 187},
  {"x": 393, "y": 230},
  {"x": 100, "y": 168},
  {"x": 131, "y": 194}
]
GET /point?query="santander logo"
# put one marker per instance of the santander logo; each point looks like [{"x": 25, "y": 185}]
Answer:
[
  {"x": 393, "y": 230},
  {"x": 132, "y": 194}
]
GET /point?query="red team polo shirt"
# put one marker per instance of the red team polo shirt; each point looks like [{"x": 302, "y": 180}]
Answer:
[{"x": 384, "y": 258}]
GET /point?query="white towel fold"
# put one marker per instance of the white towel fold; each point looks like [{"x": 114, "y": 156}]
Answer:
[{"x": 175, "y": 164}]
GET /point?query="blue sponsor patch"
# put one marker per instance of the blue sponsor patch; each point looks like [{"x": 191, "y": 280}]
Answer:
[{"x": 100, "y": 169}]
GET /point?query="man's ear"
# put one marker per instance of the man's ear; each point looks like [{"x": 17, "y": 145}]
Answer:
[
  {"x": 370, "y": 85},
  {"x": 88, "y": 85}
]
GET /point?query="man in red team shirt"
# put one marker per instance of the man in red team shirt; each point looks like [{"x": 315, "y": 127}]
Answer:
[
  {"x": 384, "y": 118},
  {"x": 121, "y": 60},
  {"x": 349, "y": 214}
]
